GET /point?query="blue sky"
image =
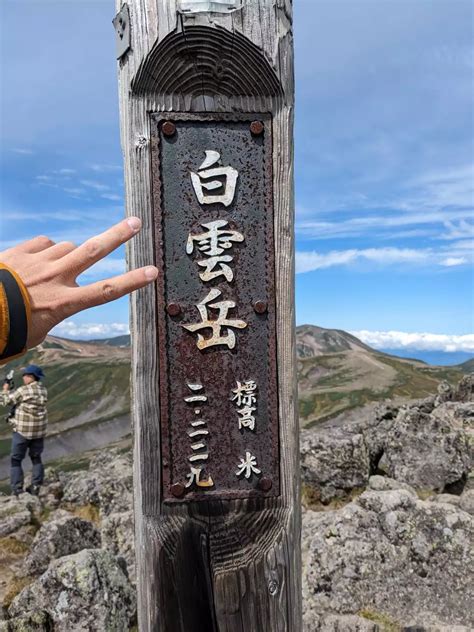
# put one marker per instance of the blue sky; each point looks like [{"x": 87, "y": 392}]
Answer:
[{"x": 384, "y": 149}]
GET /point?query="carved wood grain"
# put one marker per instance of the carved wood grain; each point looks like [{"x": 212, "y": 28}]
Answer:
[{"x": 228, "y": 566}]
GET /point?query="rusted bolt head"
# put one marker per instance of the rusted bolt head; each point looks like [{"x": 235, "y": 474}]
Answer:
[
  {"x": 173, "y": 309},
  {"x": 177, "y": 489},
  {"x": 256, "y": 127},
  {"x": 168, "y": 128},
  {"x": 265, "y": 484},
  {"x": 260, "y": 307}
]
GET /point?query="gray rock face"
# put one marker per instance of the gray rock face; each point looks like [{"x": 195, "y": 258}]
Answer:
[
  {"x": 108, "y": 484},
  {"x": 63, "y": 534},
  {"x": 388, "y": 554},
  {"x": 425, "y": 451},
  {"x": 424, "y": 445},
  {"x": 34, "y": 622},
  {"x": 466, "y": 501},
  {"x": 118, "y": 537},
  {"x": 333, "y": 464},
  {"x": 16, "y": 512},
  {"x": 85, "y": 592}
]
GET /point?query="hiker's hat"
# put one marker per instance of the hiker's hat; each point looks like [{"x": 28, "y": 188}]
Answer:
[{"x": 33, "y": 369}]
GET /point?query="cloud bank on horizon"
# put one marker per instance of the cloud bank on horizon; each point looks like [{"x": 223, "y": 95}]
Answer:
[
  {"x": 377, "y": 339},
  {"x": 384, "y": 147}
]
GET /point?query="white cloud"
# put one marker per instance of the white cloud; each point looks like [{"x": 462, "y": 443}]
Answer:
[
  {"x": 93, "y": 184},
  {"x": 111, "y": 196},
  {"x": 307, "y": 261},
  {"x": 453, "y": 261},
  {"x": 419, "y": 341},
  {"x": 71, "y": 329},
  {"x": 458, "y": 253},
  {"x": 65, "y": 171},
  {"x": 23, "y": 151},
  {"x": 381, "y": 221},
  {"x": 74, "y": 190},
  {"x": 101, "y": 168}
]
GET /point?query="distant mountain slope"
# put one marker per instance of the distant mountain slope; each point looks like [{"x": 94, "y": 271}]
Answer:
[
  {"x": 467, "y": 367},
  {"x": 116, "y": 341},
  {"x": 88, "y": 382},
  {"x": 337, "y": 373}
]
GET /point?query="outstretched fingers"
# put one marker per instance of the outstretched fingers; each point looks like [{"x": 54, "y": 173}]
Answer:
[
  {"x": 110, "y": 289},
  {"x": 98, "y": 247}
]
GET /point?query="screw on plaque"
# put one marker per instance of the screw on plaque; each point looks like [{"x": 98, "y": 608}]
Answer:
[
  {"x": 256, "y": 127},
  {"x": 265, "y": 484},
  {"x": 168, "y": 128},
  {"x": 173, "y": 309},
  {"x": 177, "y": 489},
  {"x": 260, "y": 307}
]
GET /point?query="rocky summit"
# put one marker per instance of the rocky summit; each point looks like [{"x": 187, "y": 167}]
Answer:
[{"x": 388, "y": 521}]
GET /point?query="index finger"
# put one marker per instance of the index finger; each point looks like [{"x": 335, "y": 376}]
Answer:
[{"x": 100, "y": 246}]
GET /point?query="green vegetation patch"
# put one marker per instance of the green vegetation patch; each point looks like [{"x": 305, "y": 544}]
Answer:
[{"x": 386, "y": 623}]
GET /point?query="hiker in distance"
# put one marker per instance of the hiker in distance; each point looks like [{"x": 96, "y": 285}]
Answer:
[
  {"x": 38, "y": 287},
  {"x": 28, "y": 418}
]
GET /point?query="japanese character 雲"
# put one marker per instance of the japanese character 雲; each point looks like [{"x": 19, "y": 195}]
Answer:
[{"x": 213, "y": 242}]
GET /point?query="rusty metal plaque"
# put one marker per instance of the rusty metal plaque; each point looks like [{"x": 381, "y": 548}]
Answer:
[{"x": 213, "y": 213}]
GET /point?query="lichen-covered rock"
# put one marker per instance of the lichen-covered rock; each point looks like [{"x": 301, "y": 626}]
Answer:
[
  {"x": 465, "y": 389},
  {"x": 425, "y": 451},
  {"x": 107, "y": 484},
  {"x": 333, "y": 463},
  {"x": 118, "y": 537},
  {"x": 85, "y": 592},
  {"x": 16, "y": 512},
  {"x": 34, "y": 622},
  {"x": 341, "y": 623},
  {"x": 392, "y": 555},
  {"x": 63, "y": 534},
  {"x": 466, "y": 501},
  {"x": 384, "y": 483}
]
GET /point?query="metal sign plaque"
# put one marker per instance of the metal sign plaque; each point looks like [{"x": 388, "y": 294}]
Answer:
[{"x": 213, "y": 210}]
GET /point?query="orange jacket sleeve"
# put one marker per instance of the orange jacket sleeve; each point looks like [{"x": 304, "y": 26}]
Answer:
[{"x": 15, "y": 314}]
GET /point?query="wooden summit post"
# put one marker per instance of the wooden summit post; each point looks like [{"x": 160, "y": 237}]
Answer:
[{"x": 206, "y": 100}]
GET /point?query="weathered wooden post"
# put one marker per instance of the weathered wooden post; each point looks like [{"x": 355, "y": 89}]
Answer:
[{"x": 206, "y": 95}]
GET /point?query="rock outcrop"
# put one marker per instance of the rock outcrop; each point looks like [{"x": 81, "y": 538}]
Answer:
[
  {"x": 390, "y": 556},
  {"x": 427, "y": 444},
  {"x": 85, "y": 592},
  {"x": 387, "y": 530},
  {"x": 400, "y": 555},
  {"x": 63, "y": 534}
]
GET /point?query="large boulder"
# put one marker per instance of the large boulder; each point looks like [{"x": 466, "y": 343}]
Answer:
[
  {"x": 389, "y": 557},
  {"x": 427, "y": 451},
  {"x": 108, "y": 484},
  {"x": 16, "y": 512},
  {"x": 85, "y": 592},
  {"x": 63, "y": 534},
  {"x": 33, "y": 622},
  {"x": 118, "y": 537},
  {"x": 334, "y": 463}
]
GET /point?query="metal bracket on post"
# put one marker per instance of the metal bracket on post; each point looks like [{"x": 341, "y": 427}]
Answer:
[
  {"x": 209, "y": 6},
  {"x": 121, "y": 24}
]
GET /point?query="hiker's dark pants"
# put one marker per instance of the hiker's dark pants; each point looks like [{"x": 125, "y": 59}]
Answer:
[{"x": 20, "y": 445}]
